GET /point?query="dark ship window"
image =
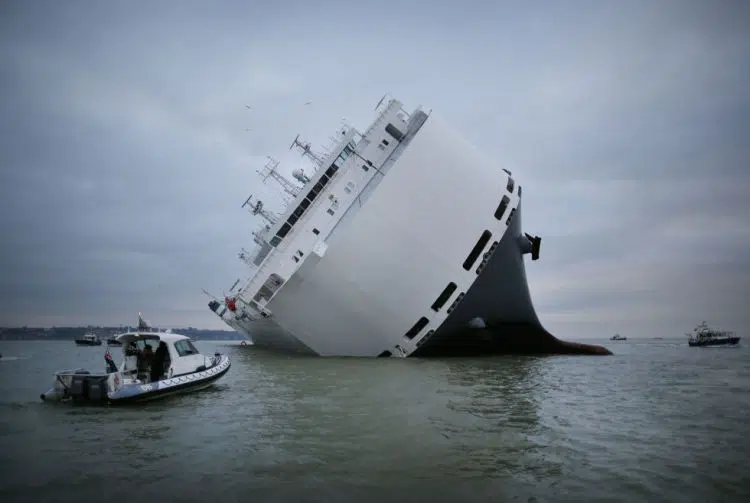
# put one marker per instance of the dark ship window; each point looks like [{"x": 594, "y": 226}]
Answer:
[
  {"x": 510, "y": 185},
  {"x": 316, "y": 231},
  {"x": 500, "y": 211},
  {"x": 394, "y": 131},
  {"x": 444, "y": 296},
  {"x": 474, "y": 254},
  {"x": 284, "y": 230},
  {"x": 418, "y": 326},
  {"x": 305, "y": 203}
]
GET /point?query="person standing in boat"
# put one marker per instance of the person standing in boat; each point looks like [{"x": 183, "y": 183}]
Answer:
[
  {"x": 147, "y": 354},
  {"x": 157, "y": 363},
  {"x": 145, "y": 358},
  {"x": 131, "y": 358}
]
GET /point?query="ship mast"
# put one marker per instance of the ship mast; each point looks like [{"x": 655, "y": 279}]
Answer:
[
  {"x": 257, "y": 209},
  {"x": 258, "y": 234},
  {"x": 305, "y": 148},
  {"x": 270, "y": 170},
  {"x": 244, "y": 256}
]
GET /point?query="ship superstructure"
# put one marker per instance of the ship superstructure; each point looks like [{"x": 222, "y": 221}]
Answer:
[
  {"x": 702, "y": 335},
  {"x": 399, "y": 238}
]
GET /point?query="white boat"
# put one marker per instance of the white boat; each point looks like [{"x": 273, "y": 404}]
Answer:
[
  {"x": 401, "y": 238},
  {"x": 141, "y": 377},
  {"x": 88, "y": 339}
]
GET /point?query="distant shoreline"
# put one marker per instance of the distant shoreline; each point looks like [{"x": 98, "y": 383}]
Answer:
[
  {"x": 70, "y": 333},
  {"x": 104, "y": 342}
]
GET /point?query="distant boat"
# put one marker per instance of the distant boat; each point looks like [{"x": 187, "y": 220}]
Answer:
[
  {"x": 112, "y": 341},
  {"x": 618, "y": 337},
  {"x": 704, "y": 336},
  {"x": 88, "y": 339}
]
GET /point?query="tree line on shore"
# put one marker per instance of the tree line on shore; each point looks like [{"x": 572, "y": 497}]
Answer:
[{"x": 66, "y": 333}]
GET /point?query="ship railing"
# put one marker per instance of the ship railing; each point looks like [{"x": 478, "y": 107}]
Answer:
[
  {"x": 259, "y": 278},
  {"x": 346, "y": 135},
  {"x": 304, "y": 219},
  {"x": 335, "y": 147}
]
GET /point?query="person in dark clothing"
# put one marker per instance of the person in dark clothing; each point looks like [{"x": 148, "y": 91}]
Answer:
[
  {"x": 147, "y": 354},
  {"x": 157, "y": 363}
]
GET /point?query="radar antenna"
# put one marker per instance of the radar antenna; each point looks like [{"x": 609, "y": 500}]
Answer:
[
  {"x": 300, "y": 176},
  {"x": 270, "y": 170},
  {"x": 305, "y": 148},
  {"x": 257, "y": 209}
]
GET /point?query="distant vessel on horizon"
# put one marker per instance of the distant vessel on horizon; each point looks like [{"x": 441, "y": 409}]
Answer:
[
  {"x": 88, "y": 339},
  {"x": 402, "y": 238},
  {"x": 702, "y": 335},
  {"x": 618, "y": 337}
]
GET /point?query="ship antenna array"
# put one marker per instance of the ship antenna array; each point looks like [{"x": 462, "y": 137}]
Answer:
[
  {"x": 244, "y": 255},
  {"x": 270, "y": 170},
  {"x": 257, "y": 209},
  {"x": 305, "y": 148},
  {"x": 259, "y": 234}
]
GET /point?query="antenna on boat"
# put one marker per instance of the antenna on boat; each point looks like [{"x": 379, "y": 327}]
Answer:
[
  {"x": 305, "y": 148},
  {"x": 270, "y": 170},
  {"x": 258, "y": 235},
  {"x": 143, "y": 324},
  {"x": 380, "y": 102},
  {"x": 211, "y": 296},
  {"x": 245, "y": 256},
  {"x": 234, "y": 285},
  {"x": 257, "y": 209}
]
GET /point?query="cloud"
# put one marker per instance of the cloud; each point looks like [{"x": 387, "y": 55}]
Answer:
[
  {"x": 124, "y": 155},
  {"x": 658, "y": 252}
]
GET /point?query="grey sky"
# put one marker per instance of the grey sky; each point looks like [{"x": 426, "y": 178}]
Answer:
[{"x": 124, "y": 157}]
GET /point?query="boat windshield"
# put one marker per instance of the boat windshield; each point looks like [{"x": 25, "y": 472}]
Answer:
[
  {"x": 185, "y": 348},
  {"x": 140, "y": 344}
]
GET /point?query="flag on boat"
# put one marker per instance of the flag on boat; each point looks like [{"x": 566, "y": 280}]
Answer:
[{"x": 142, "y": 324}]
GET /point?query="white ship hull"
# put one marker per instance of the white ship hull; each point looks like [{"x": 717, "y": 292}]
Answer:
[{"x": 361, "y": 287}]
